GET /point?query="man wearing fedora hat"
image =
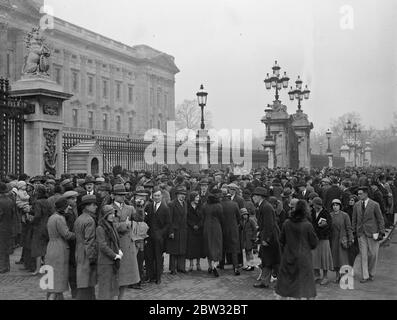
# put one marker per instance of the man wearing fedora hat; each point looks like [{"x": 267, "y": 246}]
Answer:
[
  {"x": 177, "y": 241},
  {"x": 86, "y": 249},
  {"x": 124, "y": 214},
  {"x": 270, "y": 252},
  {"x": 7, "y": 214}
]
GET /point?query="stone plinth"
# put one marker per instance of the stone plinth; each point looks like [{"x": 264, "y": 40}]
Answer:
[
  {"x": 204, "y": 143},
  {"x": 44, "y": 128},
  {"x": 302, "y": 128}
]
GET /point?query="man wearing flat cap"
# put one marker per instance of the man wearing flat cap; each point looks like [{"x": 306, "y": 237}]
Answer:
[
  {"x": 269, "y": 252},
  {"x": 86, "y": 249},
  {"x": 176, "y": 243}
]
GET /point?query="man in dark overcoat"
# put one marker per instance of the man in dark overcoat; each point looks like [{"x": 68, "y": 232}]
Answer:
[
  {"x": 268, "y": 234},
  {"x": 230, "y": 231},
  {"x": 86, "y": 249},
  {"x": 7, "y": 214},
  {"x": 159, "y": 221},
  {"x": 177, "y": 240}
]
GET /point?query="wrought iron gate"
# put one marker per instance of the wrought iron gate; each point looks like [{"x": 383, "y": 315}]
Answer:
[{"x": 12, "y": 113}]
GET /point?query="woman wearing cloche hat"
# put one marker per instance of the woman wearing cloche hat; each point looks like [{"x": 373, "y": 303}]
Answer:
[
  {"x": 57, "y": 255},
  {"x": 109, "y": 255},
  {"x": 341, "y": 237}
]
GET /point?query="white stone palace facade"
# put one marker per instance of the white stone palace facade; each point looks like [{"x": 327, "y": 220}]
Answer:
[{"x": 118, "y": 90}]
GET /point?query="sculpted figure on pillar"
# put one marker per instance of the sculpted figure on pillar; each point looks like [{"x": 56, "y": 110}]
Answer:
[{"x": 38, "y": 54}]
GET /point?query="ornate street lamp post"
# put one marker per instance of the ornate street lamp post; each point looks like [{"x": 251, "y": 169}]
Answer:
[
  {"x": 276, "y": 81},
  {"x": 203, "y": 140},
  {"x": 202, "y": 101},
  {"x": 298, "y": 93},
  {"x": 329, "y": 151}
]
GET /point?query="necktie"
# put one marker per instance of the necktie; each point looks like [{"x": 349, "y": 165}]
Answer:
[{"x": 363, "y": 207}]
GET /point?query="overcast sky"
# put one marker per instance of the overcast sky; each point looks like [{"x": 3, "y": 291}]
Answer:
[{"x": 230, "y": 45}]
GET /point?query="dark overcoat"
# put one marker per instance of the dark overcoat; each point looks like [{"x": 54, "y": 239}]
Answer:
[
  {"x": 212, "y": 231},
  {"x": 108, "y": 285},
  {"x": 86, "y": 251},
  {"x": 296, "y": 278},
  {"x": 230, "y": 226},
  {"x": 41, "y": 210},
  {"x": 178, "y": 215},
  {"x": 248, "y": 231},
  {"x": 7, "y": 213},
  {"x": 269, "y": 232},
  {"x": 159, "y": 224},
  {"x": 194, "y": 248}
]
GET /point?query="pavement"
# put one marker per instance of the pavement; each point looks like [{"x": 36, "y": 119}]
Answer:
[{"x": 19, "y": 285}]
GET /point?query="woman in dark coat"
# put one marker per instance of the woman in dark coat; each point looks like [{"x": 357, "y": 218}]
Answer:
[
  {"x": 298, "y": 239},
  {"x": 212, "y": 231},
  {"x": 194, "y": 249},
  {"x": 109, "y": 255},
  {"x": 41, "y": 211},
  {"x": 57, "y": 255}
]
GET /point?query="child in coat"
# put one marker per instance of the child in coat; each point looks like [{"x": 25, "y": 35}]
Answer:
[{"x": 248, "y": 232}]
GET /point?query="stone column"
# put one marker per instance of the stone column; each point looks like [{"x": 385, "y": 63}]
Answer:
[
  {"x": 203, "y": 140},
  {"x": 3, "y": 49},
  {"x": 19, "y": 54},
  {"x": 66, "y": 70},
  {"x": 43, "y": 129},
  {"x": 112, "y": 85},
  {"x": 330, "y": 160}
]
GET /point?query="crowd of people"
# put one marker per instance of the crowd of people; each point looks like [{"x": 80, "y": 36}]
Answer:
[{"x": 112, "y": 231}]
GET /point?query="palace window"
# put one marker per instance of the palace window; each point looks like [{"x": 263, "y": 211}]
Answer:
[
  {"x": 105, "y": 122},
  {"x": 58, "y": 75},
  {"x": 131, "y": 94},
  {"x": 75, "y": 115},
  {"x": 90, "y": 119},
  {"x": 165, "y": 100},
  {"x": 105, "y": 89},
  {"x": 90, "y": 85},
  {"x": 118, "y": 91},
  {"x": 75, "y": 82},
  {"x": 118, "y": 123},
  {"x": 130, "y": 125}
]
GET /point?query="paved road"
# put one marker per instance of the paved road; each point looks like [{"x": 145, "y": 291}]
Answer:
[{"x": 18, "y": 285}]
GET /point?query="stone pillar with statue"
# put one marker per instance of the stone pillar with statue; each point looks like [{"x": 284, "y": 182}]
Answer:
[{"x": 44, "y": 128}]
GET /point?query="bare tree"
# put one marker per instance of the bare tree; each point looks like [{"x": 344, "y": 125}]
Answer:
[
  {"x": 337, "y": 125},
  {"x": 188, "y": 116}
]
